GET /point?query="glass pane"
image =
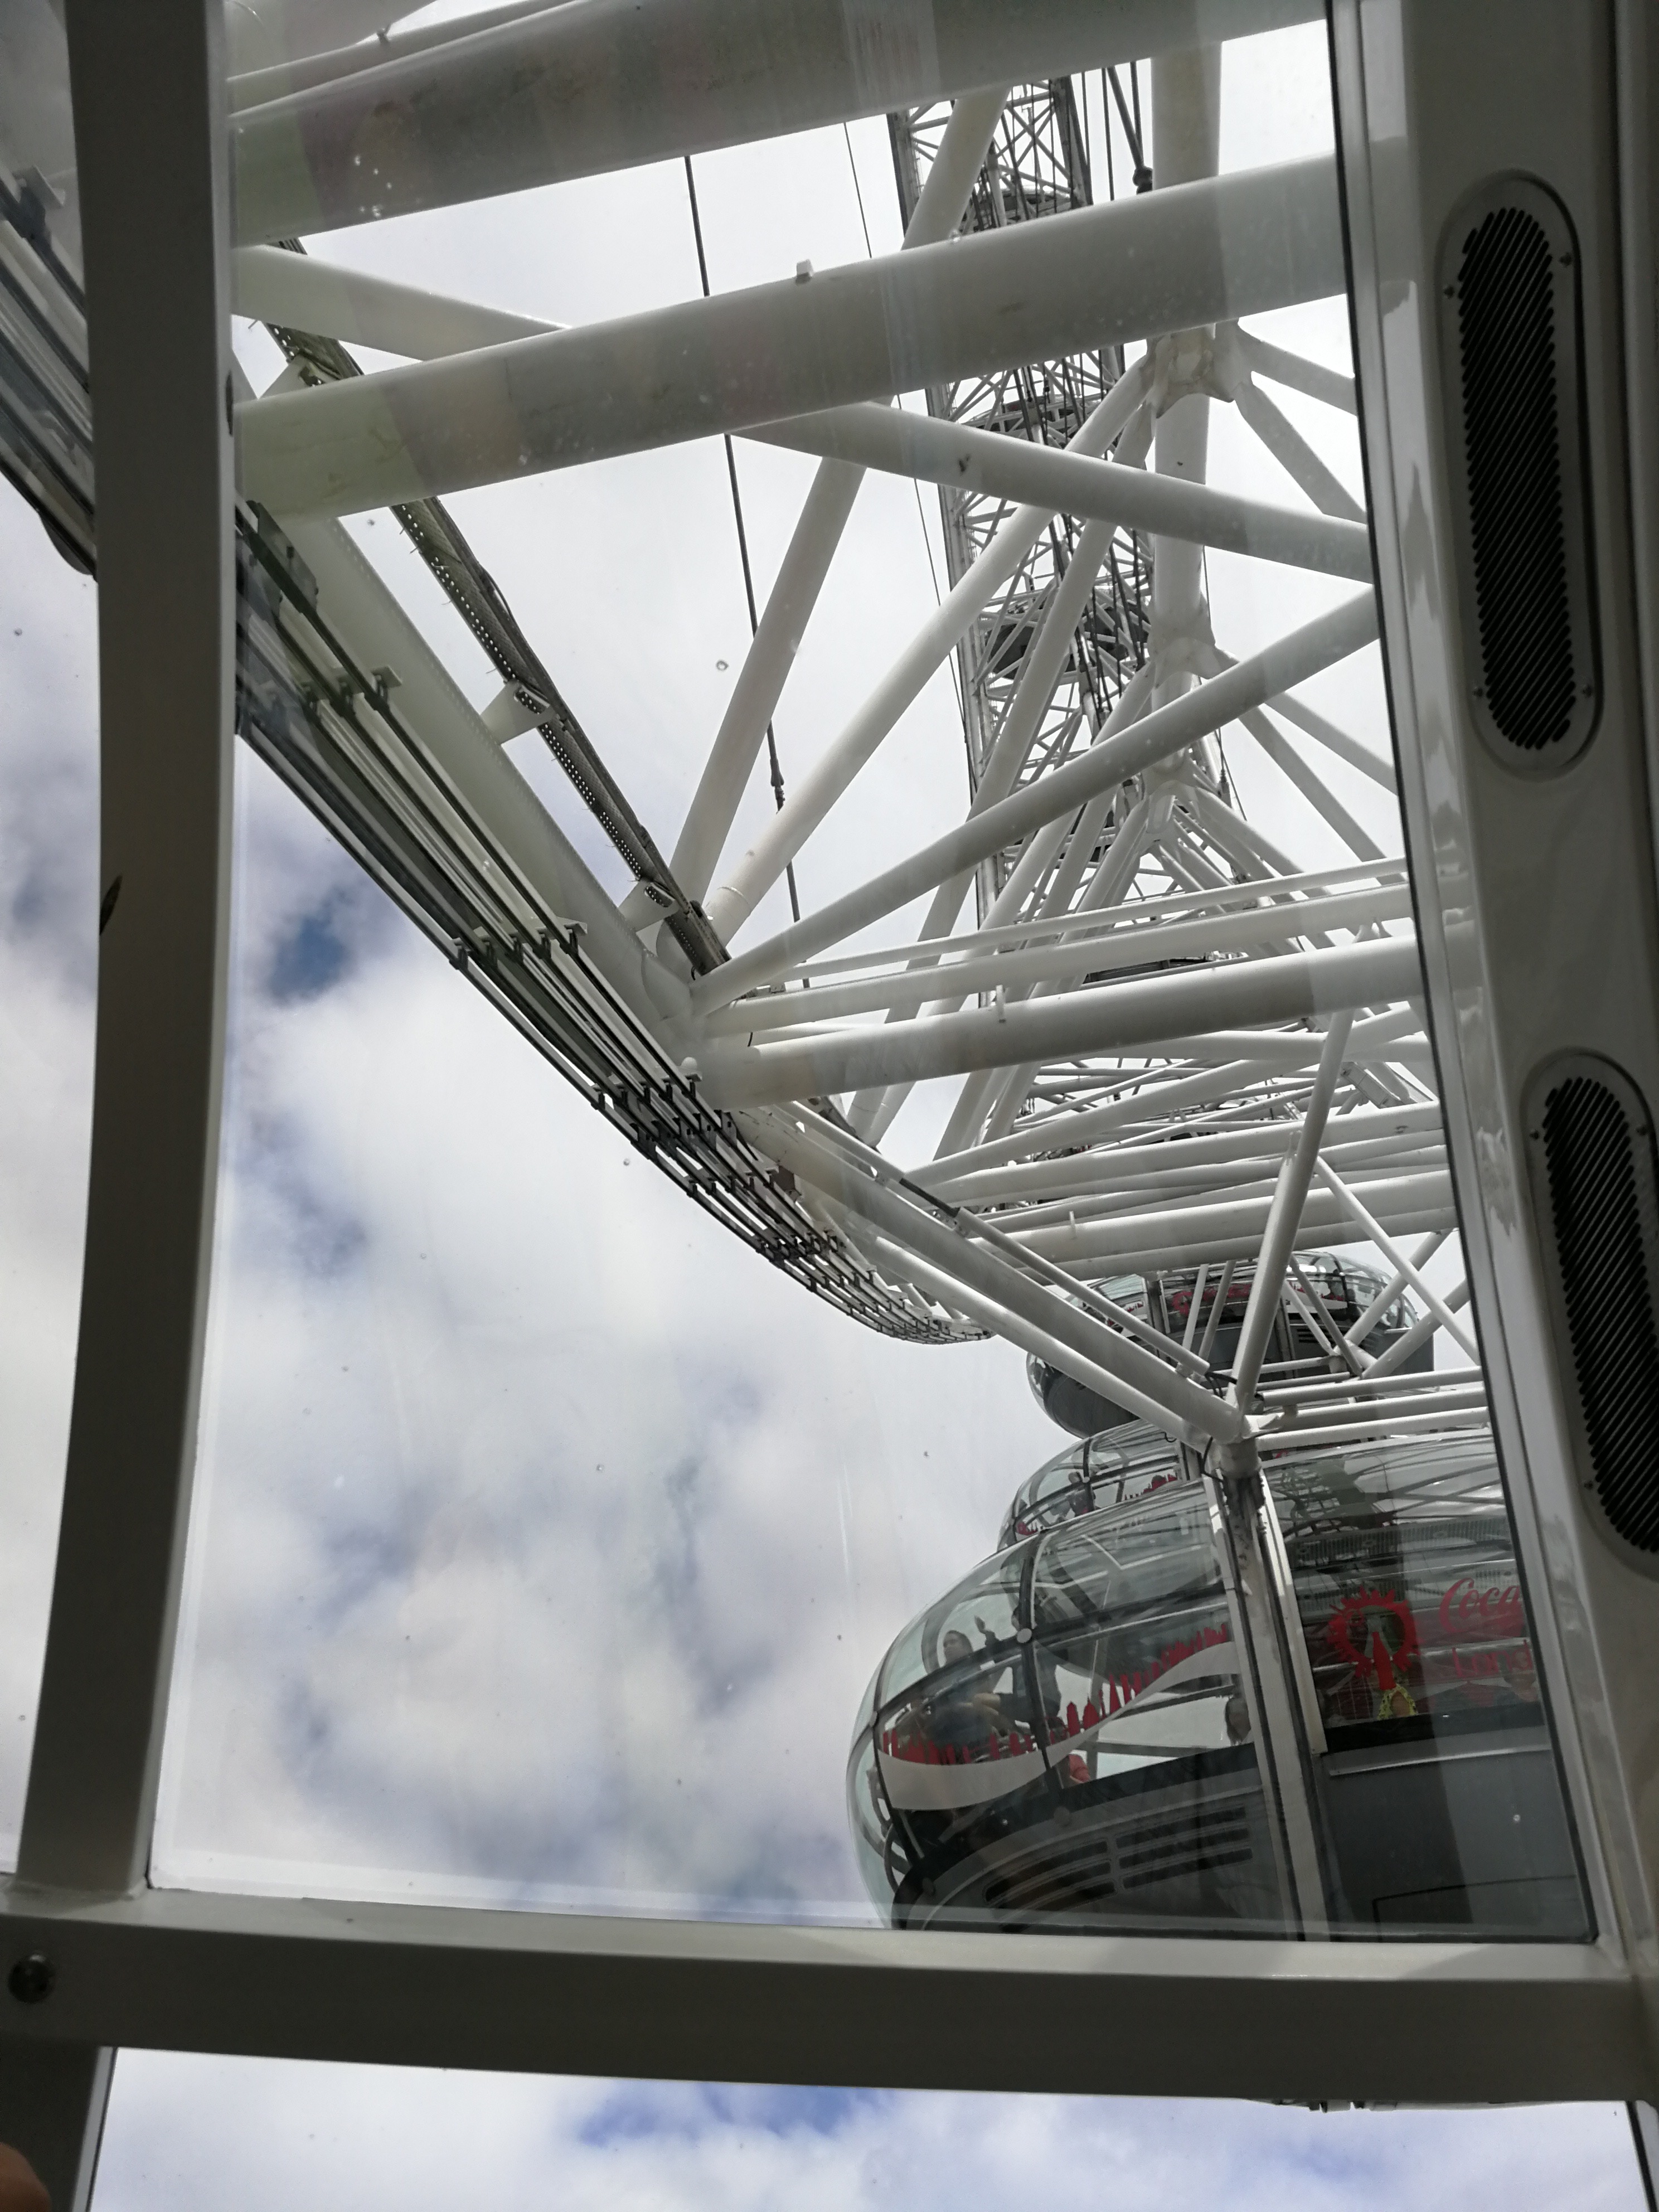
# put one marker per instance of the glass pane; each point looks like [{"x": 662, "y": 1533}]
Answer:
[
  {"x": 184, "y": 2132},
  {"x": 948, "y": 850},
  {"x": 985, "y": 1794},
  {"x": 545, "y": 1535},
  {"x": 1439, "y": 1781},
  {"x": 49, "y": 889}
]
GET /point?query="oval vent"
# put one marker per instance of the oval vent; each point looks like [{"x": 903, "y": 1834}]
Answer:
[
  {"x": 1510, "y": 330},
  {"x": 1596, "y": 1187}
]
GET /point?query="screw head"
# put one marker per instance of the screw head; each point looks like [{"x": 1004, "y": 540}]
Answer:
[{"x": 32, "y": 1978}]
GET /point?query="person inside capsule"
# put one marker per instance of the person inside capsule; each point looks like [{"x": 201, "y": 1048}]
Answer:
[{"x": 965, "y": 1711}]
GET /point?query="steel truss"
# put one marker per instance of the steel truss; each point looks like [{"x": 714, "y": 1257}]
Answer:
[
  {"x": 1184, "y": 1052},
  {"x": 1145, "y": 965},
  {"x": 1036, "y": 165},
  {"x": 332, "y": 730}
]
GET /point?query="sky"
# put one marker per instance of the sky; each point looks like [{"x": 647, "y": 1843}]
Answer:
[
  {"x": 544, "y": 1540},
  {"x": 264, "y": 2136}
]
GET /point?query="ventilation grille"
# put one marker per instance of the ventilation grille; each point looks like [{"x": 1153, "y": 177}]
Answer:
[
  {"x": 1594, "y": 1140},
  {"x": 1099, "y": 1866},
  {"x": 1510, "y": 300}
]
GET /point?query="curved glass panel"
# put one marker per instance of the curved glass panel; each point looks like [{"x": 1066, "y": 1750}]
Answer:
[
  {"x": 1123, "y": 1463},
  {"x": 1440, "y": 1780},
  {"x": 1091, "y": 1764},
  {"x": 1331, "y": 1295},
  {"x": 1098, "y": 1766},
  {"x": 49, "y": 888},
  {"x": 816, "y": 821}
]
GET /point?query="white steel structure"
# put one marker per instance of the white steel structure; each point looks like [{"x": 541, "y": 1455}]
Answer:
[
  {"x": 1112, "y": 846},
  {"x": 1143, "y": 1035}
]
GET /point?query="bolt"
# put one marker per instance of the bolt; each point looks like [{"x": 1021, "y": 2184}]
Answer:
[{"x": 31, "y": 1978}]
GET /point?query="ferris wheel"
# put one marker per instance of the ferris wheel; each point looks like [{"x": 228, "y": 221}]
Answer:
[
  {"x": 1286, "y": 840},
  {"x": 1109, "y": 955}
]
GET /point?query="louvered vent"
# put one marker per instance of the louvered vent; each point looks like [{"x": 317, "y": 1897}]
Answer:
[
  {"x": 1592, "y": 1143},
  {"x": 1509, "y": 301},
  {"x": 1201, "y": 1840}
]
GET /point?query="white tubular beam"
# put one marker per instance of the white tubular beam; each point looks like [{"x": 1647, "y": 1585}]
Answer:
[
  {"x": 1337, "y": 741},
  {"x": 1226, "y": 898},
  {"x": 1159, "y": 1255},
  {"x": 816, "y": 792},
  {"x": 1184, "y": 1406},
  {"x": 903, "y": 444},
  {"x": 813, "y": 545},
  {"x": 1299, "y": 1439},
  {"x": 1013, "y": 1328},
  {"x": 1192, "y": 1308},
  {"x": 764, "y": 673},
  {"x": 254, "y": 87},
  {"x": 992, "y": 1104},
  {"x": 1120, "y": 1017},
  {"x": 1033, "y": 291},
  {"x": 1045, "y": 660},
  {"x": 955, "y": 166},
  {"x": 1228, "y": 1228},
  {"x": 1278, "y": 1049},
  {"x": 1146, "y": 1104},
  {"x": 1092, "y": 951},
  {"x": 580, "y": 91},
  {"x": 1099, "y": 1195},
  {"x": 1045, "y": 963},
  {"x": 1267, "y": 1051},
  {"x": 1173, "y": 905},
  {"x": 1294, "y": 454},
  {"x": 1396, "y": 1259},
  {"x": 1286, "y": 1051},
  {"x": 1329, "y": 638},
  {"x": 1285, "y": 1218},
  {"x": 300, "y": 293},
  {"x": 1367, "y": 1391},
  {"x": 470, "y": 760},
  {"x": 1346, "y": 1135},
  {"x": 1298, "y": 375},
  {"x": 1241, "y": 841},
  {"x": 1391, "y": 1290},
  {"x": 873, "y": 1112},
  {"x": 1307, "y": 1304},
  {"x": 1400, "y": 1351},
  {"x": 1218, "y": 1307},
  {"x": 1186, "y": 120},
  {"x": 1290, "y": 762},
  {"x": 1362, "y": 1412}
]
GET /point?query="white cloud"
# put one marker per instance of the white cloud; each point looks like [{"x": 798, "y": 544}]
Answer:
[
  {"x": 191, "y": 2132},
  {"x": 545, "y": 1535}
]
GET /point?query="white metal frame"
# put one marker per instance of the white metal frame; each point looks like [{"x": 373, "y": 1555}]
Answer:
[{"x": 1295, "y": 1051}]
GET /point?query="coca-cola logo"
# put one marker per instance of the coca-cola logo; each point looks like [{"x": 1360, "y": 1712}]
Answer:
[
  {"x": 1468, "y": 1610},
  {"x": 1494, "y": 1620}
]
